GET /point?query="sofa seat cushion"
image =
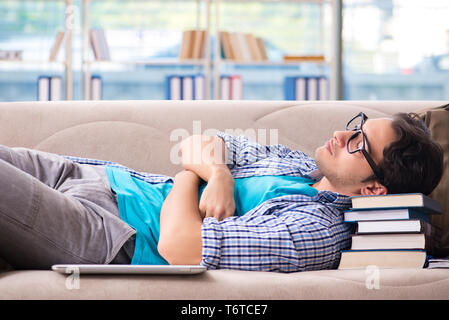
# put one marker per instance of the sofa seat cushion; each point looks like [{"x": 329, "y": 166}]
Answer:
[{"x": 229, "y": 284}]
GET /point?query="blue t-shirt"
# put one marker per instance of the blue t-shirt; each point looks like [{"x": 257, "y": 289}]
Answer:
[{"x": 140, "y": 203}]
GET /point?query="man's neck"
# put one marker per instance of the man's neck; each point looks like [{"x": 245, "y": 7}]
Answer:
[{"x": 325, "y": 185}]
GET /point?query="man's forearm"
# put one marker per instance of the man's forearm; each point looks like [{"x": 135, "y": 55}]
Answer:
[
  {"x": 180, "y": 239},
  {"x": 204, "y": 155}
]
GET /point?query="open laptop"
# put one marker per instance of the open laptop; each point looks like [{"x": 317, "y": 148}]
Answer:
[{"x": 127, "y": 269}]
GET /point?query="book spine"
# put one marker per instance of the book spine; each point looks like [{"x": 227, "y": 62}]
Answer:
[
  {"x": 55, "y": 88},
  {"x": 290, "y": 88},
  {"x": 96, "y": 89},
  {"x": 225, "y": 88},
  {"x": 43, "y": 88},
  {"x": 199, "y": 87}
]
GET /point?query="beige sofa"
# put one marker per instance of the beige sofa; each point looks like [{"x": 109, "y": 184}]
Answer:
[{"x": 137, "y": 134}]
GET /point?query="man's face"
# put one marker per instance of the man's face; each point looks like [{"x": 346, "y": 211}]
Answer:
[{"x": 345, "y": 170}]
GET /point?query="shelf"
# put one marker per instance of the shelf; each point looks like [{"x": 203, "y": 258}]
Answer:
[
  {"x": 269, "y": 63},
  {"x": 156, "y": 62},
  {"x": 40, "y": 62}
]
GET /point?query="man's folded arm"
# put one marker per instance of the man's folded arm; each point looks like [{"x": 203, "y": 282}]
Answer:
[{"x": 180, "y": 222}]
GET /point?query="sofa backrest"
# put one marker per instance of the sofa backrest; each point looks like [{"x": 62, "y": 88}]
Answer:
[{"x": 144, "y": 135}]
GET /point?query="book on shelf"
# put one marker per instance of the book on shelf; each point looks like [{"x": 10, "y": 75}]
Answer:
[
  {"x": 173, "y": 87},
  {"x": 185, "y": 87},
  {"x": 99, "y": 44},
  {"x": 188, "y": 37},
  {"x": 55, "y": 88},
  {"x": 244, "y": 47},
  {"x": 56, "y": 45},
  {"x": 96, "y": 87},
  {"x": 417, "y": 201},
  {"x": 192, "y": 44},
  {"x": 301, "y": 58},
  {"x": 306, "y": 88},
  {"x": 225, "y": 42},
  {"x": 199, "y": 86},
  {"x": 359, "y": 259},
  {"x": 236, "y": 87},
  {"x": 43, "y": 88},
  {"x": 262, "y": 48},
  {"x": 235, "y": 47},
  {"x": 225, "y": 87},
  {"x": 198, "y": 47},
  {"x": 49, "y": 88},
  {"x": 256, "y": 55},
  {"x": 231, "y": 87}
]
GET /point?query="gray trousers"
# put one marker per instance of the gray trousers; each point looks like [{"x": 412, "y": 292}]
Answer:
[{"x": 54, "y": 211}]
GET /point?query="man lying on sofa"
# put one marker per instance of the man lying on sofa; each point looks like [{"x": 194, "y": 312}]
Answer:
[{"x": 242, "y": 206}]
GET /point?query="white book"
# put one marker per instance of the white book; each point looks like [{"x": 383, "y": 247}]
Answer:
[
  {"x": 44, "y": 89},
  {"x": 96, "y": 88},
  {"x": 392, "y": 226},
  {"x": 236, "y": 88},
  {"x": 312, "y": 88},
  {"x": 199, "y": 87},
  {"x": 187, "y": 88},
  {"x": 95, "y": 44},
  {"x": 55, "y": 88},
  {"x": 245, "y": 50},
  {"x": 225, "y": 88},
  {"x": 300, "y": 89},
  {"x": 175, "y": 88},
  {"x": 388, "y": 241},
  {"x": 324, "y": 89},
  {"x": 104, "y": 48}
]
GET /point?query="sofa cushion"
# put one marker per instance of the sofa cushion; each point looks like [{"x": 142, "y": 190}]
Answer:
[{"x": 437, "y": 120}]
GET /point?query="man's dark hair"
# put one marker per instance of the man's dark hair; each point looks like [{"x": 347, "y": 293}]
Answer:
[{"x": 413, "y": 162}]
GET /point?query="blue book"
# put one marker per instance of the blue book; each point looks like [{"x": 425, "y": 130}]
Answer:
[{"x": 290, "y": 88}]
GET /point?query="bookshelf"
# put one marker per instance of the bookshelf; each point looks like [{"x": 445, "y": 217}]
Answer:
[
  {"x": 88, "y": 63},
  {"x": 64, "y": 65},
  {"x": 210, "y": 66},
  {"x": 331, "y": 62}
]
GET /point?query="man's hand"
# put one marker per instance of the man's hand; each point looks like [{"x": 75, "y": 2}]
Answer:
[{"x": 217, "y": 199}]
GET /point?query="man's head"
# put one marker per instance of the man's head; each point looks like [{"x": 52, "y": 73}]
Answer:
[{"x": 401, "y": 152}]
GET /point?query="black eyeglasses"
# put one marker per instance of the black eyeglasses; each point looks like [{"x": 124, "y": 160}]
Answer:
[{"x": 353, "y": 145}]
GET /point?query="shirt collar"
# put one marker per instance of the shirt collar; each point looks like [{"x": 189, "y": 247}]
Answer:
[{"x": 337, "y": 200}]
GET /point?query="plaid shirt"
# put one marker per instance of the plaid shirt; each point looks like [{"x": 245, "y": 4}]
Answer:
[{"x": 289, "y": 233}]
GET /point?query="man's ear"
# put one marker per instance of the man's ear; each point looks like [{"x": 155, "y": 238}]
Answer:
[{"x": 374, "y": 188}]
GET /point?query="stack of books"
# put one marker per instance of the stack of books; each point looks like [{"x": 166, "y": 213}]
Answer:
[{"x": 392, "y": 231}]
